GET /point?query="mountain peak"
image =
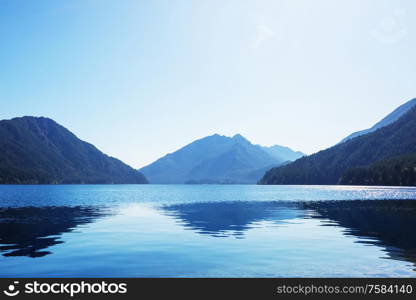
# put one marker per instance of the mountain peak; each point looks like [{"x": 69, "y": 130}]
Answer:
[
  {"x": 34, "y": 118},
  {"x": 239, "y": 138},
  {"x": 39, "y": 122}
]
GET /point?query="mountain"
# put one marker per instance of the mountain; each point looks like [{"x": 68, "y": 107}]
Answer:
[
  {"x": 389, "y": 119},
  {"x": 285, "y": 153},
  {"x": 40, "y": 151},
  {"x": 328, "y": 166},
  {"x": 218, "y": 159}
]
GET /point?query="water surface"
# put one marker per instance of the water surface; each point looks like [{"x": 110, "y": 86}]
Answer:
[{"x": 207, "y": 231}]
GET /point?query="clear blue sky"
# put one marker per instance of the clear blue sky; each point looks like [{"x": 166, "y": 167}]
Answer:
[{"x": 139, "y": 79}]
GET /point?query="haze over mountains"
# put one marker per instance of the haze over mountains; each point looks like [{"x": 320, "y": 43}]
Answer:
[
  {"x": 365, "y": 159},
  {"x": 218, "y": 159},
  {"x": 40, "y": 151}
]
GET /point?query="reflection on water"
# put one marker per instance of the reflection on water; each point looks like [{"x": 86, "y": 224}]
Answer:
[
  {"x": 223, "y": 219},
  {"x": 386, "y": 223},
  {"x": 389, "y": 224},
  {"x": 29, "y": 231},
  {"x": 206, "y": 231}
]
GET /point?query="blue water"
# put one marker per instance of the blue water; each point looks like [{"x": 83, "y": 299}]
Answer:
[{"x": 207, "y": 231}]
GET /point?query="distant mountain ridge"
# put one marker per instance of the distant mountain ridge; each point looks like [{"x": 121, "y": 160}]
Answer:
[
  {"x": 40, "y": 151},
  {"x": 331, "y": 166},
  {"x": 282, "y": 152},
  {"x": 218, "y": 159},
  {"x": 389, "y": 119}
]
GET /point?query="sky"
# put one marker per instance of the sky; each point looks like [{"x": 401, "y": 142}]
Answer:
[{"x": 140, "y": 79}]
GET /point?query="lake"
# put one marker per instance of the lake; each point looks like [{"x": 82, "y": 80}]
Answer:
[{"x": 207, "y": 231}]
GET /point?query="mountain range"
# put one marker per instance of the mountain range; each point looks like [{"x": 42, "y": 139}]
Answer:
[
  {"x": 218, "y": 159},
  {"x": 368, "y": 158},
  {"x": 40, "y": 151}
]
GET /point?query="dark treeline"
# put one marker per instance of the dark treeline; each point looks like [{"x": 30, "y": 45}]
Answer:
[{"x": 400, "y": 171}]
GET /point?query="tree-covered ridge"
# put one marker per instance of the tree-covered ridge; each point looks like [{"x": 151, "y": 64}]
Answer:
[
  {"x": 327, "y": 166},
  {"x": 398, "y": 171},
  {"x": 40, "y": 151}
]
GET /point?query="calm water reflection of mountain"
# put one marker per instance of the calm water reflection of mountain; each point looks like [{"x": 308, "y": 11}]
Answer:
[
  {"x": 223, "y": 219},
  {"x": 389, "y": 224},
  {"x": 385, "y": 223},
  {"x": 29, "y": 231}
]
